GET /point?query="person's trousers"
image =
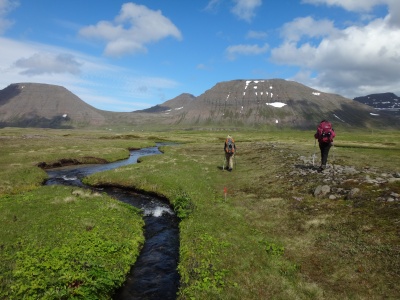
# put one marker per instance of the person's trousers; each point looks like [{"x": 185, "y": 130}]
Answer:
[
  {"x": 324, "y": 147},
  {"x": 229, "y": 160}
]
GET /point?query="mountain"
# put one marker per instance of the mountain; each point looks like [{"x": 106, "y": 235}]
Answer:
[
  {"x": 176, "y": 103},
  {"x": 250, "y": 103},
  {"x": 387, "y": 102},
  {"x": 273, "y": 102},
  {"x": 45, "y": 105}
]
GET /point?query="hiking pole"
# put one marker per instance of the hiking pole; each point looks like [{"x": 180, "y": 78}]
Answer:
[
  {"x": 315, "y": 147},
  {"x": 333, "y": 161},
  {"x": 234, "y": 161}
]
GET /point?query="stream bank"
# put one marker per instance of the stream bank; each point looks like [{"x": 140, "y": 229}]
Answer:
[{"x": 154, "y": 275}]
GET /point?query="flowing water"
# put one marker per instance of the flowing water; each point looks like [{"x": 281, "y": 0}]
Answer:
[{"x": 154, "y": 275}]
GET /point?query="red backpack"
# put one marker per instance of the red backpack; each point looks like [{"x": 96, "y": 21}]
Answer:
[
  {"x": 325, "y": 132},
  {"x": 230, "y": 145}
]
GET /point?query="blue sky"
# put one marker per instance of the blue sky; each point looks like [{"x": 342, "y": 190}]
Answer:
[{"x": 124, "y": 56}]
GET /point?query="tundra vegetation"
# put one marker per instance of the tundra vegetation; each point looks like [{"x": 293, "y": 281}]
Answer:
[{"x": 267, "y": 237}]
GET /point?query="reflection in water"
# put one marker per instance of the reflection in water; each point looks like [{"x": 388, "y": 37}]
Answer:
[{"x": 154, "y": 275}]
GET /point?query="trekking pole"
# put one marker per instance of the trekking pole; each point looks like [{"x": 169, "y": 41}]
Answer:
[
  {"x": 333, "y": 161},
  {"x": 315, "y": 147}
]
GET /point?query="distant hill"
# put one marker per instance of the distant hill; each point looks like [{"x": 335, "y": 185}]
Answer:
[
  {"x": 176, "y": 103},
  {"x": 45, "y": 105},
  {"x": 387, "y": 102},
  {"x": 273, "y": 102}
]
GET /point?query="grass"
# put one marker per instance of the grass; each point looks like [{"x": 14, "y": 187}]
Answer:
[
  {"x": 63, "y": 243},
  {"x": 268, "y": 239}
]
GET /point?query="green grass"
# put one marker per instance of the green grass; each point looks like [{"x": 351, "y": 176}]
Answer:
[
  {"x": 63, "y": 243},
  {"x": 268, "y": 239}
]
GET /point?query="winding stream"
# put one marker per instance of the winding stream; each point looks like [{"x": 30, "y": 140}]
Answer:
[{"x": 154, "y": 275}]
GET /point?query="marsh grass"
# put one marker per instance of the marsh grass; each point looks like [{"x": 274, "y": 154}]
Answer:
[
  {"x": 269, "y": 238},
  {"x": 62, "y": 243}
]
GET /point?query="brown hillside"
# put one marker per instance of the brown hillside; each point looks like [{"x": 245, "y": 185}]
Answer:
[
  {"x": 176, "y": 103},
  {"x": 44, "y": 105},
  {"x": 272, "y": 102}
]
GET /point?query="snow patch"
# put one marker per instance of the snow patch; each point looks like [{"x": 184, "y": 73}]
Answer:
[
  {"x": 338, "y": 118},
  {"x": 372, "y": 114},
  {"x": 316, "y": 94},
  {"x": 178, "y": 108},
  {"x": 276, "y": 104}
]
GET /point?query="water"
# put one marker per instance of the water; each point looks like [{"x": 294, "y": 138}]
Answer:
[{"x": 154, "y": 275}]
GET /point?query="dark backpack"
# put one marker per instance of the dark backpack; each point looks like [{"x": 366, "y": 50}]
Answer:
[
  {"x": 230, "y": 146},
  {"x": 325, "y": 133}
]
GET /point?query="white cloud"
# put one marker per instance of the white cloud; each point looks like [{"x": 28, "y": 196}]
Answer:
[
  {"x": 351, "y": 5},
  {"x": 5, "y": 7},
  {"x": 130, "y": 32},
  {"x": 352, "y": 61},
  {"x": 364, "y": 6},
  {"x": 259, "y": 35},
  {"x": 93, "y": 80},
  {"x": 213, "y": 5},
  {"x": 245, "y": 9},
  {"x": 41, "y": 63},
  {"x": 233, "y": 51},
  {"x": 308, "y": 27}
]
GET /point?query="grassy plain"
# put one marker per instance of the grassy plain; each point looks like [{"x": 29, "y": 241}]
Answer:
[{"x": 268, "y": 237}]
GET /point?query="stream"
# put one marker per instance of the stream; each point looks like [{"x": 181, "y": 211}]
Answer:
[{"x": 154, "y": 275}]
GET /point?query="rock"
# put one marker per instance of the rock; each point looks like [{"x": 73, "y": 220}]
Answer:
[
  {"x": 353, "y": 192},
  {"x": 392, "y": 180},
  {"x": 350, "y": 171},
  {"x": 332, "y": 197},
  {"x": 321, "y": 191}
]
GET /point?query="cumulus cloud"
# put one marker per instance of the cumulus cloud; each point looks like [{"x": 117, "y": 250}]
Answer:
[
  {"x": 351, "y": 5},
  {"x": 48, "y": 63},
  {"x": 245, "y": 9},
  {"x": 364, "y": 6},
  {"x": 5, "y": 7},
  {"x": 233, "y": 51},
  {"x": 213, "y": 5},
  {"x": 135, "y": 27},
  {"x": 259, "y": 35},
  {"x": 308, "y": 27},
  {"x": 353, "y": 61}
]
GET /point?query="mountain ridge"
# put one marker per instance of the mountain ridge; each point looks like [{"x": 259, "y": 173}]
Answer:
[{"x": 241, "y": 102}]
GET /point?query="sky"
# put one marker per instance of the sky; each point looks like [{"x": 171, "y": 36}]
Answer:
[{"x": 126, "y": 56}]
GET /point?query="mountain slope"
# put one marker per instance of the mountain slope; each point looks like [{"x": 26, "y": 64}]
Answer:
[
  {"x": 44, "y": 105},
  {"x": 273, "y": 102},
  {"x": 387, "y": 102},
  {"x": 176, "y": 103}
]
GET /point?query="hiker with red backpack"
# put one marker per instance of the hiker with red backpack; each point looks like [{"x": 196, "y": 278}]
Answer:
[
  {"x": 325, "y": 135},
  {"x": 229, "y": 149}
]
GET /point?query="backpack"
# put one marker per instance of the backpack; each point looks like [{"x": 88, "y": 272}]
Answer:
[
  {"x": 325, "y": 132},
  {"x": 230, "y": 145}
]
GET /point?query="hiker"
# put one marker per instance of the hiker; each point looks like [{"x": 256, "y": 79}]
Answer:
[
  {"x": 325, "y": 135},
  {"x": 229, "y": 149}
]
